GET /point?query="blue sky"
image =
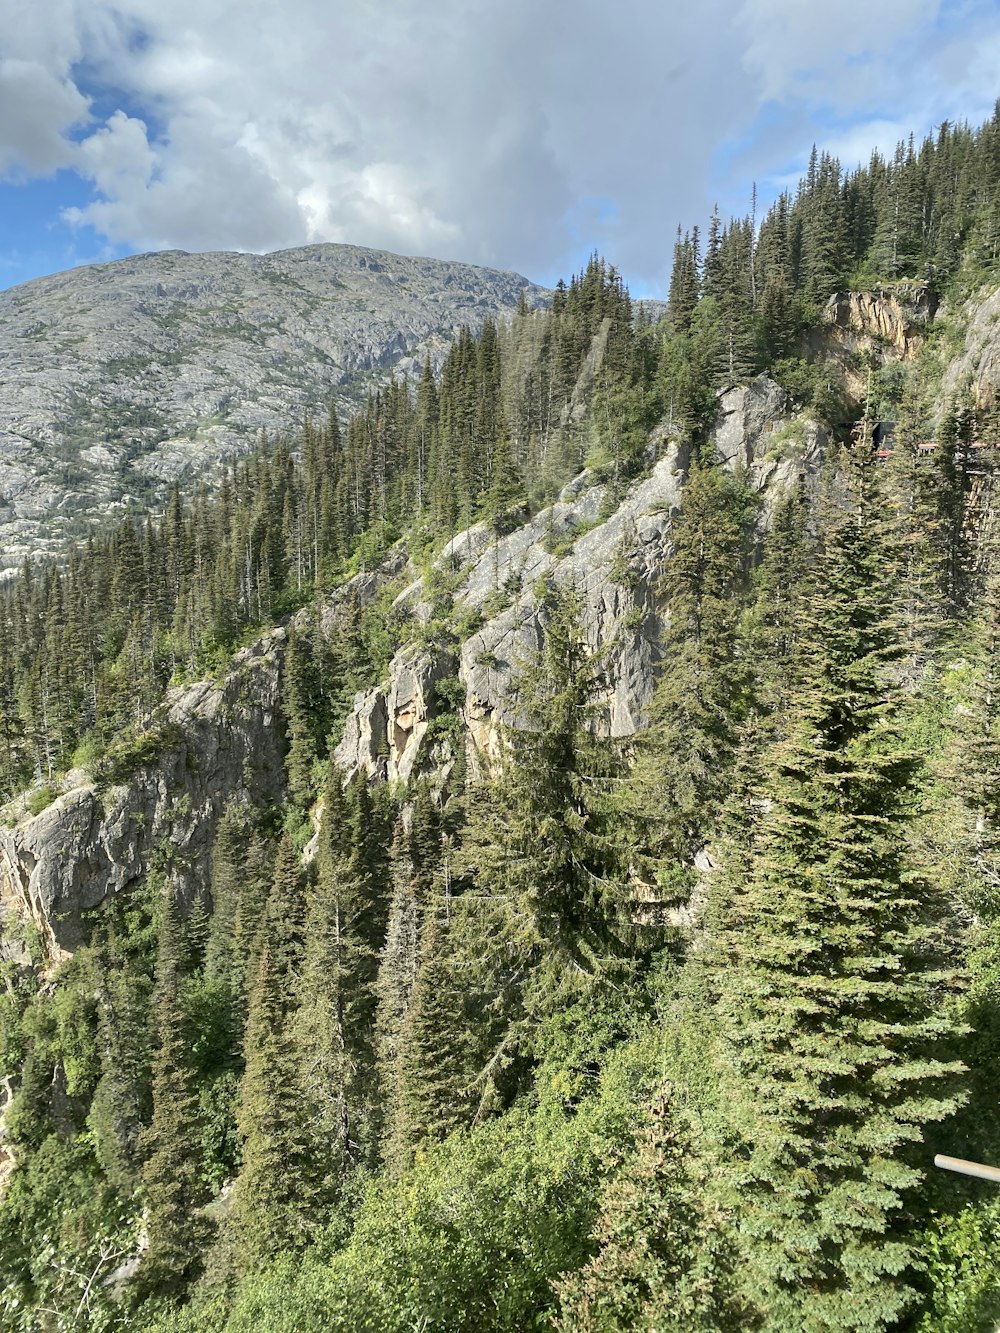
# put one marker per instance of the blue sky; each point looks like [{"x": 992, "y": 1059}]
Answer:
[{"x": 507, "y": 132}]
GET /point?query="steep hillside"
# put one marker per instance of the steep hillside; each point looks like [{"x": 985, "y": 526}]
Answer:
[
  {"x": 118, "y": 380},
  {"x": 210, "y": 741}
]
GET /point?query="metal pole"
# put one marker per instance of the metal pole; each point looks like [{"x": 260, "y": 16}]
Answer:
[{"x": 968, "y": 1168}]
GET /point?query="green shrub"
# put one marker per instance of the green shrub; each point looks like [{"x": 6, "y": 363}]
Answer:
[
  {"x": 124, "y": 757},
  {"x": 40, "y": 799},
  {"x": 960, "y": 1254},
  {"x": 88, "y": 752}
]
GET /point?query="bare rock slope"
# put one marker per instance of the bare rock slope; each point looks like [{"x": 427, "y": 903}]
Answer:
[
  {"x": 119, "y": 379},
  {"x": 207, "y": 743}
]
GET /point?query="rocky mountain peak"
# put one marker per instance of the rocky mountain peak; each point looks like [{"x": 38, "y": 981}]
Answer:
[{"x": 119, "y": 380}]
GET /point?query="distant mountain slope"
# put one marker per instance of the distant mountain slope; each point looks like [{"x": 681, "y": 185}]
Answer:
[{"x": 119, "y": 378}]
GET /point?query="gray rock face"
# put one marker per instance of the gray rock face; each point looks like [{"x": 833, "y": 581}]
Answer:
[
  {"x": 614, "y": 562},
  {"x": 118, "y": 380},
  {"x": 221, "y": 741},
  {"x": 979, "y": 364},
  {"x": 615, "y": 566},
  {"x": 385, "y": 732},
  {"x": 746, "y": 417}
]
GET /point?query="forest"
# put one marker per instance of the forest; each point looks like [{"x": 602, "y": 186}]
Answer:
[{"x": 643, "y": 1033}]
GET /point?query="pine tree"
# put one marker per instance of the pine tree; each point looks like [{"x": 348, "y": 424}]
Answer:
[
  {"x": 921, "y": 493},
  {"x": 539, "y": 839},
  {"x": 673, "y": 793},
  {"x": 335, "y": 998},
  {"x": 276, "y": 1188},
  {"x": 779, "y": 584},
  {"x": 283, "y": 922},
  {"x": 435, "y": 1067},
  {"x": 834, "y": 1049},
  {"x": 121, "y": 1103},
  {"x": 683, "y": 282},
  {"x": 171, "y": 1184},
  {"x": 274, "y": 1198},
  {"x": 298, "y": 690},
  {"x": 415, "y": 853},
  {"x": 949, "y": 486}
]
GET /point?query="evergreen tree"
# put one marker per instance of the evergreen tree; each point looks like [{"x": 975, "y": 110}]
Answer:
[
  {"x": 684, "y": 281},
  {"x": 539, "y": 839},
  {"x": 673, "y": 793},
  {"x": 171, "y": 1181},
  {"x": 333, "y": 1025},
  {"x": 274, "y": 1198},
  {"x": 436, "y": 1057},
  {"x": 834, "y": 1048},
  {"x": 415, "y": 854},
  {"x": 121, "y": 1103},
  {"x": 662, "y": 1261}
]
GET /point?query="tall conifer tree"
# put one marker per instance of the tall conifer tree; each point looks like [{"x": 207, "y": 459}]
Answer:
[{"x": 834, "y": 1051}]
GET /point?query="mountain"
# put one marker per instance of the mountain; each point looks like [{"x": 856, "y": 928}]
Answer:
[
  {"x": 119, "y": 380},
  {"x": 526, "y": 855}
]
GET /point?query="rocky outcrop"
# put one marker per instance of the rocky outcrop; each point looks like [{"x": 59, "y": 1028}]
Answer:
[
  {"x": 206, "y": 744},
  {"x": 385, "y": 732},
  {"x": 611, "y": 557},
  {"x": 978, "y": 367},
  {"x": 881, "y": 326},
  {"x": 161, "y": 793},
  {"x": 614, "y": 565},
  {"x": 119, "y": 380},
  {"x": 893, "y": 318}
]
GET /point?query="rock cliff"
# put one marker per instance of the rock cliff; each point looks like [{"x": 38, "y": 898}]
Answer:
[
  {"x": 894, "y": 318},
  {"x": 611, "y": 554},
  {"x": 978, "y": 365},
  {"x": 206, "y": 743},
  {"x": 878, "y": 326}
]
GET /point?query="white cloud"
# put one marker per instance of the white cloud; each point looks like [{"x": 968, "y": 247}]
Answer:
[
  {"x": 470, "y": 130},
  {"x": 37, "y": 108},
  {"x": 117, "y": 155},
  {"x": 831, "y": 51}
]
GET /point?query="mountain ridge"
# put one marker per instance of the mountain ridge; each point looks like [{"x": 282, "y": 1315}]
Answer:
[{"x": 122, "y": 379}]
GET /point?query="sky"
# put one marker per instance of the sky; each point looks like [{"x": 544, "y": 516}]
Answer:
[{"x": 522, "y": 134}]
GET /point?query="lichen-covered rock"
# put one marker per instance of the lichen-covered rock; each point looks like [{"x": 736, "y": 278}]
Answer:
[
  {"x": 410, "y": 706},
  {"x": 365, "y": 745},
  {"x": 746, "y": 416}
]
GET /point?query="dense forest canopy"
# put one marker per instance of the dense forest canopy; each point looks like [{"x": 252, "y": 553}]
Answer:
[{"x": 654, "y": 1032}]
